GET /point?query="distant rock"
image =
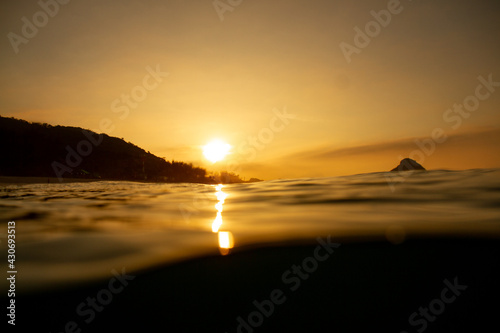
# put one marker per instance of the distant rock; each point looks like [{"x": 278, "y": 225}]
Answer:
[{"x": 408, "y": 164}]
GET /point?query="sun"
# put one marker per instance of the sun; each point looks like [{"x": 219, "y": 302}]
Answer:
[{"x": 216, "y": 150}]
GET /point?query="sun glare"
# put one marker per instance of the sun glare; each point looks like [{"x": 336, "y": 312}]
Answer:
[{"x": 216, "y": 150}]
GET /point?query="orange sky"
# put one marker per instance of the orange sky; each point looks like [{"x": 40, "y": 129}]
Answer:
[{"x": 272, "y": 78}]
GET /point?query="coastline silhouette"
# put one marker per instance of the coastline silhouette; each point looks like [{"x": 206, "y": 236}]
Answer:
[{"x": 43, "y": 150}]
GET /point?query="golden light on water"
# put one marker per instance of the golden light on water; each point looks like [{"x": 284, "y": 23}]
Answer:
[
  {"x": 221, "y": 196},
  {"x": 226, "y": 240},
  {"x": 216, "y": 150},
  {"x": 217, "y": 222}
]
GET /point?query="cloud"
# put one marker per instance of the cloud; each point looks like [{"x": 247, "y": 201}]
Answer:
[
  {"x": 485, "y": 136},
  {"x": 476, "y": 148}
]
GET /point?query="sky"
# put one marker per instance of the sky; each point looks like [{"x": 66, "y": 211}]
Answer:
[{"x": 298, "y": 88}]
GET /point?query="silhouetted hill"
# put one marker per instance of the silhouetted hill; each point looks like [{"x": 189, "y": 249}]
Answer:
[
  {"x": 407, "y": 164},
  {"x": 43, "y": 150}
]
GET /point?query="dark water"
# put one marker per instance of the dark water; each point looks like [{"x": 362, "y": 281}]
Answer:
[{"x": 77, "y": 232}]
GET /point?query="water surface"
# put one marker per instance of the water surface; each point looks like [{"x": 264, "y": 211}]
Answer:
[{"x": 76, "y": 232}]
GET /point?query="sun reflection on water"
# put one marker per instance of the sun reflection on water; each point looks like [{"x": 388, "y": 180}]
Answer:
[
  {"x": 226, "y": 241},
  {"x": 217, "y": 222}
]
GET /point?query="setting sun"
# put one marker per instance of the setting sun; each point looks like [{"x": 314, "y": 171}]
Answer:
[{"x": 216, "y": 150}]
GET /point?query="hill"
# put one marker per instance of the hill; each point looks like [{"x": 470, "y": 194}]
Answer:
[{"x": 42, "y": 150}]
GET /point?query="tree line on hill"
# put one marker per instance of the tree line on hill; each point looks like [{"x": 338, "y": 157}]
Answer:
[{"x": 42, "y": 150}]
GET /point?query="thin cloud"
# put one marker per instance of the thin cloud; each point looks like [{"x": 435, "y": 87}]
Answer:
[{"x": 404, "y": 145}]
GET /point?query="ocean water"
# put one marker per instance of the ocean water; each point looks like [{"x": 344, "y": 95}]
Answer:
[{"x": 77, "y": 232}]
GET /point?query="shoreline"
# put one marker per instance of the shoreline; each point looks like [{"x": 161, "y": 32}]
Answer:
[
  {"x": 14, "y": 180},
  {"x": 22, "y": 180}
]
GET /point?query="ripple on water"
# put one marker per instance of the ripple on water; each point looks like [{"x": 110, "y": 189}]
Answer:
[{"x": 97, "y": 225}]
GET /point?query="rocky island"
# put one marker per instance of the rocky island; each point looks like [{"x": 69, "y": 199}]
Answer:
[{"x": 407, "y": 164}]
